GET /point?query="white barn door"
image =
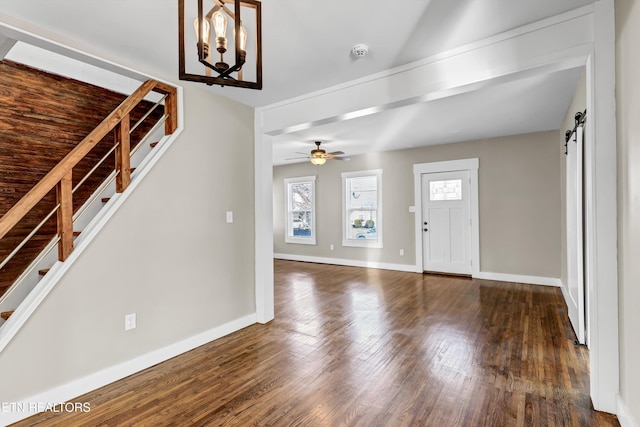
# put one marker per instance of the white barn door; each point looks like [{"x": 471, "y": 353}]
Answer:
[{"x": 575, "y": 291}]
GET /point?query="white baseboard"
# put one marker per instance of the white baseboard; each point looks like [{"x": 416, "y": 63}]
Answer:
[
  {"x": 11, "y": 412},
  {"x": 348, "y": 262},
  {"x": 624, "y": 416},
  {"x": 517, "y": 278}
]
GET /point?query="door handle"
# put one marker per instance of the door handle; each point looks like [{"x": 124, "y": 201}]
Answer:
[
  {"x": 425, "y": 223},
  {"x": 426, "y": 229}
]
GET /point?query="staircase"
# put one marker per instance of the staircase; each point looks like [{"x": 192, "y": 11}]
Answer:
[{"x": 46, "y": 119}]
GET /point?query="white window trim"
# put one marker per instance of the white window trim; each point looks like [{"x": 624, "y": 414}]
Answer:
[
  {"x": 300, "y": 240},
  {"x": 362, "y": 243}
]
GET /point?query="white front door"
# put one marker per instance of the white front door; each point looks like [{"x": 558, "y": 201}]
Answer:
[
  {"x": 575, "y": 295},
  {"x": 446, "y": 222}
]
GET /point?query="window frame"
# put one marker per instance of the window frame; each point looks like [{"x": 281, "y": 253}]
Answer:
[
  {"x": 288, "y": 227},
  {"x": 346, "y": 210}
]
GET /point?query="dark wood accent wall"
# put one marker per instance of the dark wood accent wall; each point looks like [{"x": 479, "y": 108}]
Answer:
[{"x": 42, "y": 118}]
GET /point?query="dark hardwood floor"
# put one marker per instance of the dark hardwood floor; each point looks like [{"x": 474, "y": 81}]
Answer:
[{"x": 364, "y": 347}]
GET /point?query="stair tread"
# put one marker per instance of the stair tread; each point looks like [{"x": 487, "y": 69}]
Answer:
[
  {"x": 6, "y": 314},
  {"x": 153, "y": 144},
  {"x": 43, "y": 271}
]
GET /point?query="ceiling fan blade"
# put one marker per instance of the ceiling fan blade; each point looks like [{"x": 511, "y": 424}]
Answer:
[
  {"x": 297, "y": 152},
  {"x": 297, "y": 158},
  {"x": 344, "y": 159},
  {"x": 336, "y": 153},
  {"x": 332, "y": 155}
]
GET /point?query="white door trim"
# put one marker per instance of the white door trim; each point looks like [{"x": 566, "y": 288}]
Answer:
[
  {"x": 470, "y": 165},
  {"x": 601, "y": 212},
  {"x": 263, "y": 214}
]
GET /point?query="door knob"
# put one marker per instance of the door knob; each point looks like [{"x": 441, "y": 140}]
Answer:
[
  {"x": 425, "y": 223},
  {"x": 426, "y": 229}
]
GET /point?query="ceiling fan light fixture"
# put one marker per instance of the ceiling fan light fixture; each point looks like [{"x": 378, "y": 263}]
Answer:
[
  {"x": 319, "y": 156},
  {"x": 318, "y": 160}
]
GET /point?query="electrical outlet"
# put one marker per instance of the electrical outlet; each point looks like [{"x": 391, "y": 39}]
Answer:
[
  {"x": 229, "y": 217},
  {"x": 401, "y": 252},
  {"x": 331, "y": 246},
  {"x": 129, "y": 322}
]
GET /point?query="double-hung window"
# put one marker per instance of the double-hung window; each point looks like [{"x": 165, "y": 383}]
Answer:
[
  {"x": 300, "y": 209},
  {"x": 362, "y": 208}
]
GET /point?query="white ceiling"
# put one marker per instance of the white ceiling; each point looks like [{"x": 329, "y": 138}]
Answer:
[{"x": 306, "y": 47}]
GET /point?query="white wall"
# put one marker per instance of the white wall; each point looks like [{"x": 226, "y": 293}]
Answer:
[{"x": 628, "y": 136}]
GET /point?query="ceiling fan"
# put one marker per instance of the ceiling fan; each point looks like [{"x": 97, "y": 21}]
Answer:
[{"x": 319, "y": 156}]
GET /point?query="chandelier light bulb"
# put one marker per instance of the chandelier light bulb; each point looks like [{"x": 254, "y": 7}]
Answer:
[
  {"x": 219, "y": 21},
  {"x": 243, "y": 37},
  {"x": 203, "y": 38},
  {"x": 206, "y": 30}
]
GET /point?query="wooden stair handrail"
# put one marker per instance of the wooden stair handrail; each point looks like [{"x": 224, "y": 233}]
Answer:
[{"x": 66, "y": 165}]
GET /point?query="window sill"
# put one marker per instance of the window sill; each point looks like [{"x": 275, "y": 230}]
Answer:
[
  {"x": 300, "y": 241},
  {"x": 362, "y": 243}
]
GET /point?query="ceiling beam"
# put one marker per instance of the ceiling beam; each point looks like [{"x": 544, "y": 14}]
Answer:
[{"x": 546, "y": 46}]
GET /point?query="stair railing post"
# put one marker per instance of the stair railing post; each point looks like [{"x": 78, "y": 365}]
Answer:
[
  {"x": 64, "y": 195},
  {"x": 123, "y": 154},
  {"x": 171, "y": 107}
]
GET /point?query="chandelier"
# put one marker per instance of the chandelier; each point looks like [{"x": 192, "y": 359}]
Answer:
[{"x": 208, "y": 55}]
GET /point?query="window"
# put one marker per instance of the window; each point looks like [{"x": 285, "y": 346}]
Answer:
[
  {"x": 300, "y": 199},
  {"x": 445, "y": 190},
  {"x": 362, "y": 219}
]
